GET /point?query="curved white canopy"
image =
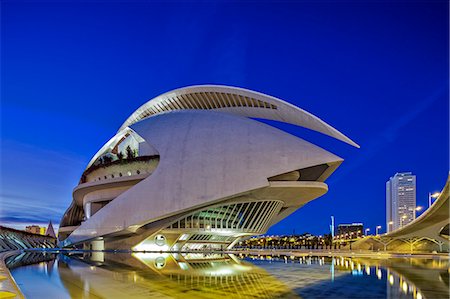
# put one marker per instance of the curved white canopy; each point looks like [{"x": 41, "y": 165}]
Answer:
[{"x": 233, "y": 100}]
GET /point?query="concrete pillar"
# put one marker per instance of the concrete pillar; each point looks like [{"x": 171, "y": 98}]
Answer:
[
  {"x": 99, "y": 246},
  {"x": 87, "y": 210}
]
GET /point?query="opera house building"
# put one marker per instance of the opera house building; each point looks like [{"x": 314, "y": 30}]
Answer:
[{"x": 196, "y": 169}]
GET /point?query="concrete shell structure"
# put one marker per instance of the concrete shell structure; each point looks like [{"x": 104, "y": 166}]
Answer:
[{"x": 191, "y": 169}]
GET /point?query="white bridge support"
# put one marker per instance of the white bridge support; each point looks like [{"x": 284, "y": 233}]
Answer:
[{"x": 429, "y": 226}]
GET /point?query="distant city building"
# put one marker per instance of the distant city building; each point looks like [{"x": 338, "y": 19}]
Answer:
[
  {"x": 350, "y": 230},
  {"x": 35, "y": 229},
  {"x": 304, "y": 241},
  {"x": 400, "y": 200},
  {"x": 50, "y": 232}
]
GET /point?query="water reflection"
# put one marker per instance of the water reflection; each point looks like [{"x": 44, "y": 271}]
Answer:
[
  {"x": 400, "y": 277},
  {"x": 199, "y": 275}
]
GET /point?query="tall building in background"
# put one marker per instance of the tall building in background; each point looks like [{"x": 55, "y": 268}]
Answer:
[{"x": 400, "y": 200}]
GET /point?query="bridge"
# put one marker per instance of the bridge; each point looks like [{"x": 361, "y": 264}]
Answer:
[
  {"x": 13, "y": 239},
  {"x": 431, "y": 227}
]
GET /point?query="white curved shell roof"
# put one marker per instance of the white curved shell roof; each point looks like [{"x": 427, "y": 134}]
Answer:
[
  {"x": 233, "y": 100},
  {"x": 206, "y": 157}
]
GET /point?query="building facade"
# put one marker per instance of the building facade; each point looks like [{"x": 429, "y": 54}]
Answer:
[
  {"x": 194, "y": 169},
  {"x": 400, "y": 200},
  {"x": 35, "y": 229},
  {"x": 350, "y": 231}
]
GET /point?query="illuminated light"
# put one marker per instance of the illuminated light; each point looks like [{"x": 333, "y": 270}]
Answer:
[
  {"x": 367, "y": 270},
  {"x": 435, "y": 194},
  {"x": 359, "y": 267},
  {"x": 184, "y": 237},
  {"x": 92, "y": 268},
  {"x": 183, "y": 266},
  {"x": 221, "y": 272},
  {"x": 148, "y": 259},
  {"x": 405, "y": 287},
  {"x": 391, "y": 279},
  {"x": 419, "y": 208},
  {"x": 419, "y": 295},
  {"x": 147, "y": 246},
  {"x": 356, "y": 273},
  {"x": 379, "y": 274},
  {"x": 160, "y": 262},
  {"x": 242, "y": 267}
]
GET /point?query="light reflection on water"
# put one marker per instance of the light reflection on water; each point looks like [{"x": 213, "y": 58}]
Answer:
[{"x": 198, "y": 275}]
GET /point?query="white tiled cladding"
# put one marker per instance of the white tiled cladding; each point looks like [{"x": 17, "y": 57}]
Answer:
[
  {"x": 205, "y": 157},
  {"x": 128, "y": 168}
]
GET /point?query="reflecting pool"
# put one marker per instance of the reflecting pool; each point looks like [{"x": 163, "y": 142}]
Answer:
[{"x": 199, "y": 275}]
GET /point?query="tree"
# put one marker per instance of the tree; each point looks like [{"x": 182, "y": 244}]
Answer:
[
  {"x": 130, "y": 153},
  {"x": 107, "y": 159},
  {"x": 120, "y": 156}
]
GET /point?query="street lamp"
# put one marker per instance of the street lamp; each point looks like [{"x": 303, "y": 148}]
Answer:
[
  {"x": 367, "y": 231},
  {"x": 401, "y": 220},
  {"x": 390, "y": 225},
  {"x": 430, "y": 196},
  {"x": 418, "y": 209},
  {"x": 377, "y": 228}
]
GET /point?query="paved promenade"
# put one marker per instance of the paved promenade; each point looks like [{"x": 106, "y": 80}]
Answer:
[{"x": 8, "y": 287}]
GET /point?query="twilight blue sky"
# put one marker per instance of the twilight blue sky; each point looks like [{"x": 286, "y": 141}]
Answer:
[{"x": 71, "y": 73}]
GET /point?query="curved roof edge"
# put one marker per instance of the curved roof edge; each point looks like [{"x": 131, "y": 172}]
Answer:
[{"x": 234, "y": 100}]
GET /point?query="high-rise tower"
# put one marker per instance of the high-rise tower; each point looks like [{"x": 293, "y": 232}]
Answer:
[{"x": 400, "y": 200}]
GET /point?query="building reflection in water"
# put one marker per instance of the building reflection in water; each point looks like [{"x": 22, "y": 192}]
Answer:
[
  {"x": 199, "y": 275},
  {"x": 192, "y": 275}
]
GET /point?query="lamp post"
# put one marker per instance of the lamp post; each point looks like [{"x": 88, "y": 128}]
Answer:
[
  {"x": 367, "y": 231},
  {"x": 377, "y": 228},
  {"x": 430, "y": 196},
  {"x": 418, "y": 209},
  {"x": 401, "y": 220},
  {"x": 390, "y": 223}
]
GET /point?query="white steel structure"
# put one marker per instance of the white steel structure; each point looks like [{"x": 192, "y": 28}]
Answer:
[{"x": 191, "y": 169}]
